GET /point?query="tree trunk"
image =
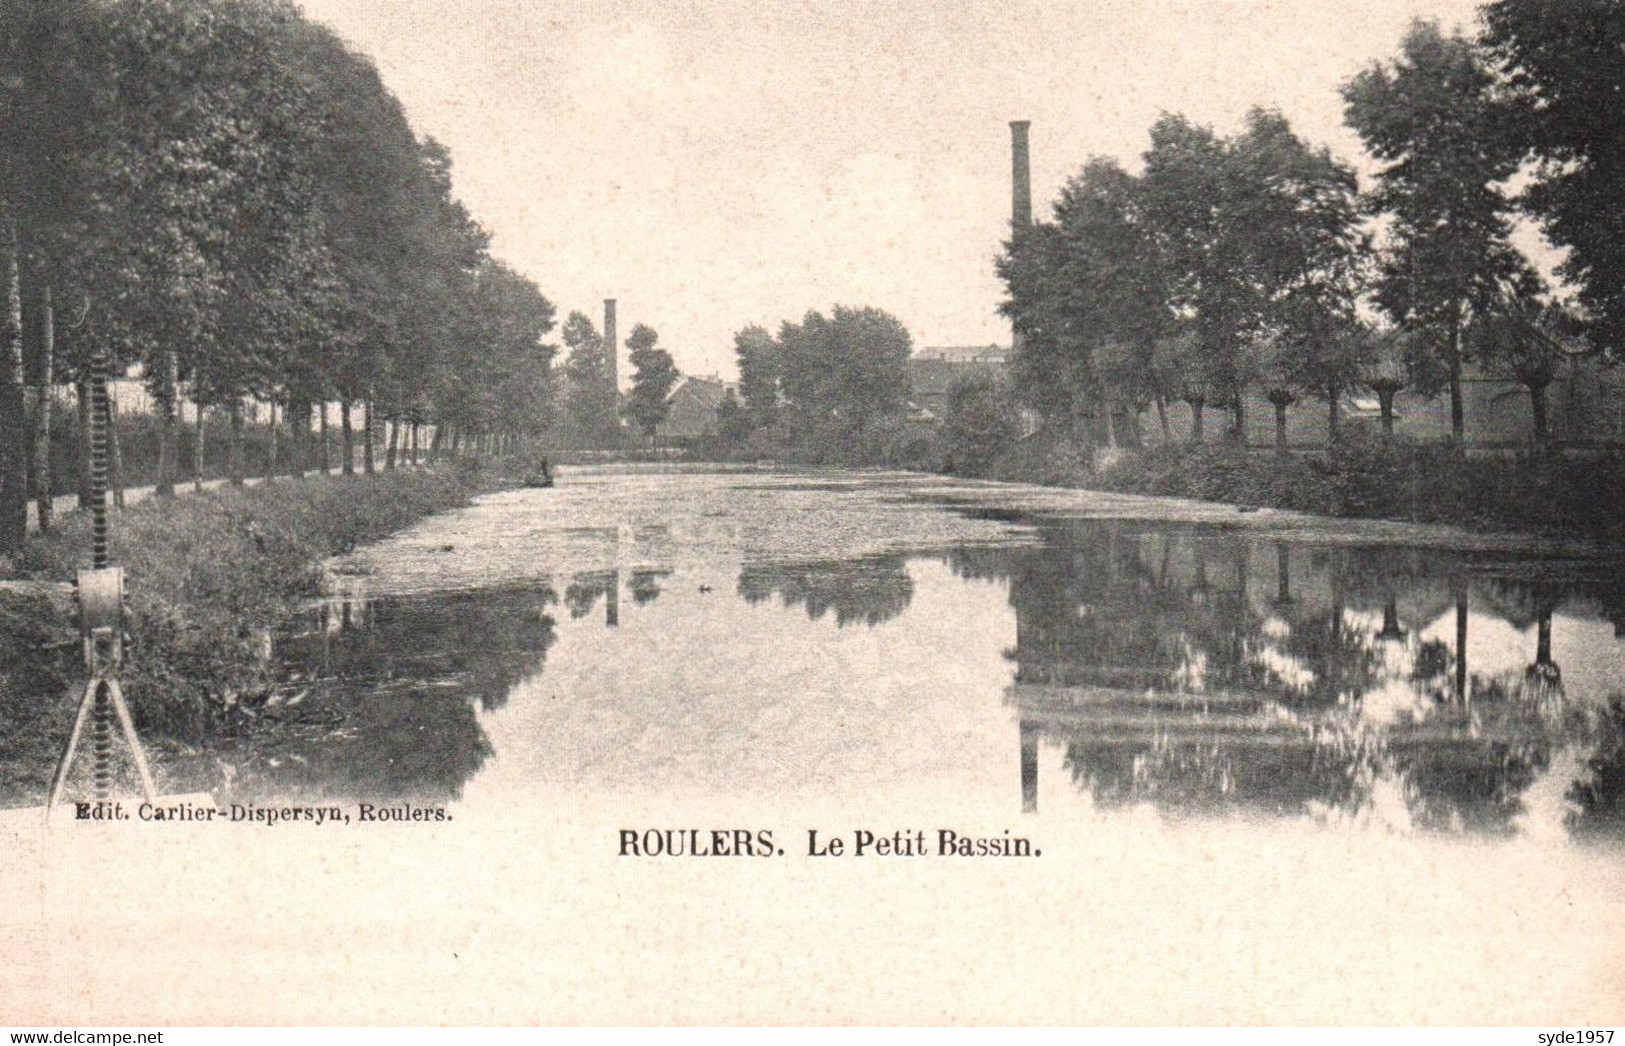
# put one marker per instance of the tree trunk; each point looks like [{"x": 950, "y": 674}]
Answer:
[
  {"x": 1458, "y": 424},
  {"x": 42, "y": 413},
  {"x": 327, "y": 446},
  {"x": 1111, "y": 427},
  {"x": 303, "y": 460},
  {"x": 13, "y": 413},
  {"x": 412, "y": 436},
  {"x": 271, "y": 456},
  {"x": 234, "y": 449},
  {"x": 298, "y": 438},
  {"x": 1537, "y": 403},
  {"x": 366, "y": 436},
  {"x": 1462, "y": 694},
  {"x": 1385, "y": 397},
  {"x": 1280, "y": 428},
  {"x": 434, "y": 443},
  {"x": 168, "y": 404},
  {"x": 115, "y": 453},
  {"x": 347, "y": 436},
  {"x": 1162, "y": 418},
  {"x": 1334, "y": 417},
  {"x": 1238, "y": 430},
  {"x": 199, "y": 446},
  {"x": 1196, "y": 420},
  {"x": 392, "y": 445}
]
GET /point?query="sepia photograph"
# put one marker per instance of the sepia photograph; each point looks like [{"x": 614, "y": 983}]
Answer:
[{"x": 785, "y": 513}]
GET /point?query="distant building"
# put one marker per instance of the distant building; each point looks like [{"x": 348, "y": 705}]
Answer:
[
  {"x": 966, "y": 353},
  {"x": 692, "y": 410},
  {"x": 933, "y": 371}
]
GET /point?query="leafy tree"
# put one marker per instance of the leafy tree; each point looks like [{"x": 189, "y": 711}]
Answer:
[
  {"x": 654, "y": 374},
  {"x": 1527, "y": 342},
  {"x": 733, "y": 422},
  {"x": 1434, "y": 122},
  {"x": 982, "y": 421},
  {"x": 1051, "y": 363},
  {"x": 1384, "y": 371},
  {"x": 1333, "y": 361},
  {"x": 1301, "y": 209},
  {"x": 759, "y": 366},
  {"x": 502, "y": 381},
  {"x": 845, "y": 379},
  {"x": 1182, "y": 367},
  {"x": 225, "y": 194},
  {"x": 590, "y": 407},
  {"x": 1565, "y": 67},
  {"x": 1258, "y": 241},
  {"x": 1185, "y": 189},
  {"x": 1278, "y": 372},
  {"x": 1089, "y": 295}
]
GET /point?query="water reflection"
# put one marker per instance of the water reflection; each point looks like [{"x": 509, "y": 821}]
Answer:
[
  {"x": 872, "y": 590},
  {"x": 716, "y": 640},
  {"x": 645, "y": 585},
  {"x": 383, "y": 697},
  {"x": 1339, "y": 682},
  {"x": 587, "y": 588}
]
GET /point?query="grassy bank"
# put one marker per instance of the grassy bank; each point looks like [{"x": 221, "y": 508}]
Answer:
[
  {"x": 1361, "y": 476},
  {"x": 210, "y": 576}
]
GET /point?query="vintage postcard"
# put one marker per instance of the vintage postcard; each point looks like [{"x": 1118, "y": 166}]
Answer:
[{"x": 1024, "y": 512}]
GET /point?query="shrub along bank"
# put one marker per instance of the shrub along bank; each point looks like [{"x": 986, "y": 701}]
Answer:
[
  {"x": 209, "y": 576},
  {"x": 1360, "y": 476}
]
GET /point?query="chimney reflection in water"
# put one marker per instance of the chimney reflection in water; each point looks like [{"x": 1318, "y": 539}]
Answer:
[{"x": 1029, "y": 767}]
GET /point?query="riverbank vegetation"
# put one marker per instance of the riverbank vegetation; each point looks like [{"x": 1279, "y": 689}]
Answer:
[
  {"x": 1257, "y": 273},
  {"x": 1365, "y": 477},
  {"x": 211, "y": 578},
  {"x": 1256, "y": 268},
  {"x": 828, "y": 390},
  {"x": 1232, "y": 269},
  {"x": 228, "y": 201}
]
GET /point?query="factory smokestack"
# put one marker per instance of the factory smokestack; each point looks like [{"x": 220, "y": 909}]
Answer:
[
  {"x": 1021, "y": 196},
  {"x": 612, "y": 350},
  {"x": 1021, "y": 177}
]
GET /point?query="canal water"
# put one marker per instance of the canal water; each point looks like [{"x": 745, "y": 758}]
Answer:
[
  {"x": 1270, "y": 767},
  {"x": 697, "y": 635}
]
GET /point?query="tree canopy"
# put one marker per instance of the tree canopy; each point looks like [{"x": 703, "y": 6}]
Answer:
[{"x": 231, "y": 199}]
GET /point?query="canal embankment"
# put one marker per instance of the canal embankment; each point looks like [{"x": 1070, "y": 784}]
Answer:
[
  {"x": 210, "y": 577},
  {"x": 1577, "y": 494}
]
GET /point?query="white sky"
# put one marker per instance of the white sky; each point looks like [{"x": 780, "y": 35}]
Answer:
[{"x": 716, "y": 164}]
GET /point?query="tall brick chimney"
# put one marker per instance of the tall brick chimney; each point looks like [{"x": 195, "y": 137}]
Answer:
[
  {"x": 1021, "y": 177},
  {"x": 612, "y": 348},
  {"x": 1021, "y": 195}
]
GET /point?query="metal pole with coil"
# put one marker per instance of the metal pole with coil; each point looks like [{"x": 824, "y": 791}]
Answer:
[{"x": 101, "y": 616}]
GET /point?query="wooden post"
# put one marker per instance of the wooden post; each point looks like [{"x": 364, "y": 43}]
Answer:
[{"x": 199, "y": 447}]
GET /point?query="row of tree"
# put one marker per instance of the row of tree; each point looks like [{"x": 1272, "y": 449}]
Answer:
[
  {"x": 593, "y": 411},
  {"x": 223, "y": 195},
  {"x": 1254, "y": 262},
  {"x": 830, "y": 388}
]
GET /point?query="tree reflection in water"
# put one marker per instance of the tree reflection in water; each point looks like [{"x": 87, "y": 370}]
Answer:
[
  {"x": 1172, "y": 670},
  {"x": 382, "y": 697},
  {"x": 587, "y": 588},
  {"x": 871, "y": 590},
  {"x": 645, "y": 585},
  {"x": 1600, "y": 797}
]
